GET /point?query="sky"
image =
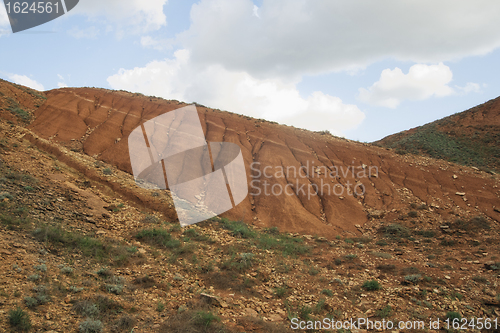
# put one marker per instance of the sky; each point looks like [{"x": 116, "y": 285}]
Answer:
[{"x": 361, "y": 69}]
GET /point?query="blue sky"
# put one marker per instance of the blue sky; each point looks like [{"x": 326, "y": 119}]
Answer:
[{"x": 361, "y": 69}]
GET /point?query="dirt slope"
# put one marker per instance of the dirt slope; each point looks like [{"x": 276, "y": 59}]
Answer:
[
  {"x": 98, "y": 121},
  {"x": 470, "y": 137}
]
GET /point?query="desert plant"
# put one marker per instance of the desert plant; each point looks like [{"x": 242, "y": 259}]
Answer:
[
  {"x": 371, "y": 285},
  {"x": 90, "y": 326},
  {"x": 19, "y": 320}
]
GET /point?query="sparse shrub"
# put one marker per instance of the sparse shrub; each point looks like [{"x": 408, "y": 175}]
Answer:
[
  {"x": 381, "y": 242},
  {"x": 351, "y": 256},
  {"x": 395, "y": 231},
  {"x": 313, "y": 271},
  {"x": 304, "y": 312},
  {"x": 453, "y": 315},
  {"x": 107, "y": 171},
  {"x": 281, "y": 291},
  {"x": 414, "y": 278},
  {"x": 124, "y": 323},
  {"x": 34, "y": 277},
  {"x": 19, "y": 319},
  {"x": 204, "y": 319},
  {"x": 412, "y": 213},
  {"x": 158, "y": 237},
  {"x": 160, "y": 307},
  {"x": 338, "y": 261},
  {"x": 371, "y": 285},
  {"x": 327, "y": 292},
  {"x": 385, "y": 312},
  {"x": 238, "y": 228},
  {"x": 104, "y": 272},
  {"x": 66, "y": 270},
  {"x": 114, "y": 288},
  {"x": 31, "y": 302},
  {"x": 86, "y": 308},
  {"x": 90, "y": 326},
  {"x": 75, "y": 290},
  {"x": 41, "y": 268}
]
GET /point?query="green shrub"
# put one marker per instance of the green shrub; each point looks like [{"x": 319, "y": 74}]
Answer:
[
  {"x": 107, "y": 171},
  {"x": 158, "y": 237},
  {"x": 453, "y": 315},
  {"x": 19, "y": 320},
  {"x": 385, "y": 312},
  {"x": 281, "y": 291},
  {"x": 204, "y": 319},
  {"x": 238, "y": 228},
  {"x": 395, "y": 231},
  {"x": 90, "y": 326},
  {"x": 327, "y": 292},
  {"x": 371, "y": 285},
  {"x": 414, "y": 278}
]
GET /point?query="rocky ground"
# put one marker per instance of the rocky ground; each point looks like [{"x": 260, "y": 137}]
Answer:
[{"x": 78, "y": 256}]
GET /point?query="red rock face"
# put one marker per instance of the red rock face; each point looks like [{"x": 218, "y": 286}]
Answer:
[{"x": 99, "y": 121}]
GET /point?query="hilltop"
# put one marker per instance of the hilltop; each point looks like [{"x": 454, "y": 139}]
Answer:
[{"x": 471, "y": 137}]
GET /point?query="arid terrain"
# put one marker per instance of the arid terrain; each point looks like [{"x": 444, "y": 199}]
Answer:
[{"x": 84, "y": 249}]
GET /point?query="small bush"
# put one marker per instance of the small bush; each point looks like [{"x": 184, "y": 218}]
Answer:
[
  {"x": 31, "y": 302},
  {"x": 90, "y": 326},
  {"x": 385, "y": 312},
  {"x": 66, "y": 270},
  {"x": 107, "y": 171},
  {"x": 371, "y": 285},
  {"x": 114, "y": 288},
  {"x": 327, "y": 292},
  {"x": 158, "y": 237},
  {"x": 41, "y": 268},
  {"x": 86, "y": 308},
  {"x": 413, "y": 214},
  {"x": 238, "y": 228},
  {"x": 351, "y": 256},
  {"x": 414, "y": 278},
  {"x": 34, "y": 277},
  {"x": 19, "y": 320},
  {"x": 280, "y": 291},
  {"x": 204, "y": 319},
  {"x": 453, "y": 315},
  {"x": 395, "y": 231}
]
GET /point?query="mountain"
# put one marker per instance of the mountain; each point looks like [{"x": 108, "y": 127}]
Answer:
[
  {"x": 83, "y": 248},
  {"x": 471, "y": 137},
  {"x": 97, "y": 122}
]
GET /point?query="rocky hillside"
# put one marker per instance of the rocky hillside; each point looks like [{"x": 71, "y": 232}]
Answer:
[
  {"x": 322, "y": 184},
  {"x": 83, "y": 249},
  {"x": 470, "y": 138}
]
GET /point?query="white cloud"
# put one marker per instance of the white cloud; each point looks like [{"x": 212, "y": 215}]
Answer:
[
  {"x": 297, "y": 37},
  {"x": 26, "y": 81},
  {"x": 61, "y": 85},
  {"x": 238, "y": 91},
  {"x": 88, "y": 33},
  {"x": 129, "y": 16},
  {"x": 469, "y": 87},
  {"x": 421, "y": 82},
  {"x": 157, "y": 44}
]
